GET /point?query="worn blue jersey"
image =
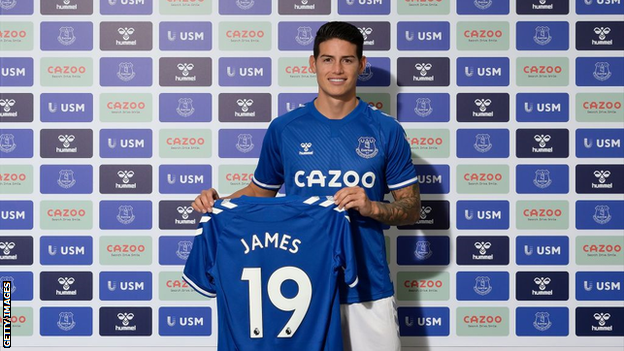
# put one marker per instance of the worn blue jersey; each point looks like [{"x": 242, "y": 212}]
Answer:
[
  {"x": 274, "y": 264},
  {"x": 310, "y": 154}
]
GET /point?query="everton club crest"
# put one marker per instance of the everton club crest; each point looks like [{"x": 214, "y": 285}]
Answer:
[
  {"x": 244, "y": 143},
  {"x": 126, "y": 214},
  {"x": 367, "y": 74},
  {"x": 245, "y": 4},
  {"x": 482, "y": 285},
  {"x": 66, "y": 179},
  {"x": 185, "y": 107},
  {"x": 304, "y": 35},
  {"x": 8, "y": 4},
  {"x": 542, "y": 321},
  {"x": 483, "y": 4},
  {"x": 602, "y": 71},
  {"x": 66, "y": 36},
  {"x": 7, "y": 143},
  {"x": 423, "y": 107},
  {"x": 184, "y": 249},
  {"x": 602, "y": 214},
  {"x": 423, "y": 250},
  {"x": 542, "y": 35},
  {"x": 66, "y": 321},
  {"x": 367, "y": 147},
  {"x": 126, "y": 71},
  {"x": 542, "y": 178},
  {"x": 483, "y": 144}
]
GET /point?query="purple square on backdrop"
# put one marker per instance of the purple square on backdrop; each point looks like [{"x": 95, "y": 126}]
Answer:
[
  {"x": 126, "y": 71},
  {"x": 240, "y": 143}
]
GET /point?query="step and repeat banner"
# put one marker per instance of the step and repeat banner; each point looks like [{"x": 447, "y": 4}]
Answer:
[{"x": 114, "y": 114}]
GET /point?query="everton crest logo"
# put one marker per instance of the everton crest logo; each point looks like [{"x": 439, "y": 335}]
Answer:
[
  {"x": 482, "y": 285},
  {"x": 184, "y": 249},
  {"x": 66, "y": 321},
  {"x": 244, "y": 144},
  {"x": 423, "y": 250},
  {"x": 245, "y": 4},
  {"x": 7, "y": 4},
  {"x": 482, "y": 4},
  {"x": 9, "y": 279},
  {"x": 542, "y": 178},
  {"x": 542, "y": 35},
  {"x": 423, "y": 107},
  {"x": 542, "y": 321},
  {"x": 66, "y": 36},
  {"x": 304, "y": 35},
  {"x": 185, "y": 107},
  {"x": 126, "y": 71},
  {"x": 602, "y": 71},
  {"x": 126, "y": 214},
  {"x": 7, "y": 143},
  {"x": 483, "y": 144},
  {"x": 66, "y": 178},
  {"x": 602, "y": 214},
  {"x": 367, "y": 74},
  {"x": 367, "y": 147}
]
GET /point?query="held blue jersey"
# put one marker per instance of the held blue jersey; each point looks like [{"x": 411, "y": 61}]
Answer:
[
  {"x": 274, "y": 265},
  {"x": 312, "y": 155}
]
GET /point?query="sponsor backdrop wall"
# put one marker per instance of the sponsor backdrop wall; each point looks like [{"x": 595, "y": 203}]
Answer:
[{"x": 116, "y": 113}]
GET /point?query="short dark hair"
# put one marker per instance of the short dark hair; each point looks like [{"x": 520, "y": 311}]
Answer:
[{"x": 339, "y": 30}]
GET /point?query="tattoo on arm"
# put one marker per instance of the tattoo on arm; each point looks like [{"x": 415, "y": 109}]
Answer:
[{"x": 404, "y": 210}]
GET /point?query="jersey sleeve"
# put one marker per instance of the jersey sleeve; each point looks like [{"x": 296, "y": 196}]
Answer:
[
  {"x": 269, "y": 173},
  {"x": 344, "y": 253},
  {"x": 400, "y": 171},
  {"x": 202, "y": 258}
]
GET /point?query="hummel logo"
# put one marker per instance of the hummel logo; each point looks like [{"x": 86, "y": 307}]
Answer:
[{"x": 306, "y": 149}]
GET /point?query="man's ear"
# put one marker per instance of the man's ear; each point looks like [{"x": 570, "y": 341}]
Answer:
[
  {"x": 362, "y": 65},
  {"x": 312, "y": 62}
]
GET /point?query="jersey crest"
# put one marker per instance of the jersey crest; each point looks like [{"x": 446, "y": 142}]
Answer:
[{"x": 367, "y": 147}]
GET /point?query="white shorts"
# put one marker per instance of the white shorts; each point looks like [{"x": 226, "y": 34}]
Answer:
[{"x": 370, "y": 326}]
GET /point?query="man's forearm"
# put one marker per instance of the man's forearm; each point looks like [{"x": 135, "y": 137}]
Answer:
[{"x": 400, "y": 212}]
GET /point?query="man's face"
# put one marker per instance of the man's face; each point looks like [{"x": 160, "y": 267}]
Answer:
[{"x": 337, "y": 68}]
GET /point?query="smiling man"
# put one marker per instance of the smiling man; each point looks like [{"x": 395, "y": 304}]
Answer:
[{"x": 337, "y": 145}]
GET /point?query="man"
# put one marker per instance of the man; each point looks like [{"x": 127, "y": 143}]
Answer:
[{"x": 338, "y": 145}]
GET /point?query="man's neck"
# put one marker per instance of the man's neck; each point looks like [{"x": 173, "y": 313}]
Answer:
[{"x": 335, "y": 108}]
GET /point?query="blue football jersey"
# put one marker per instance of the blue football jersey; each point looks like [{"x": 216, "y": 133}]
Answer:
[
  {"x": 311, "y": 155},
  {"x": 274, "y": 265}
]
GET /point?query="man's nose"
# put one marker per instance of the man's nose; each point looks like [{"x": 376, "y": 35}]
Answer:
[{"x": 337, "y": 67}]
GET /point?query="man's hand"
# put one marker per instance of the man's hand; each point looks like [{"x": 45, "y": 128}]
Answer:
[
  {"x": 354, "y": 198},
  {"x": 203, "y": 202}
]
